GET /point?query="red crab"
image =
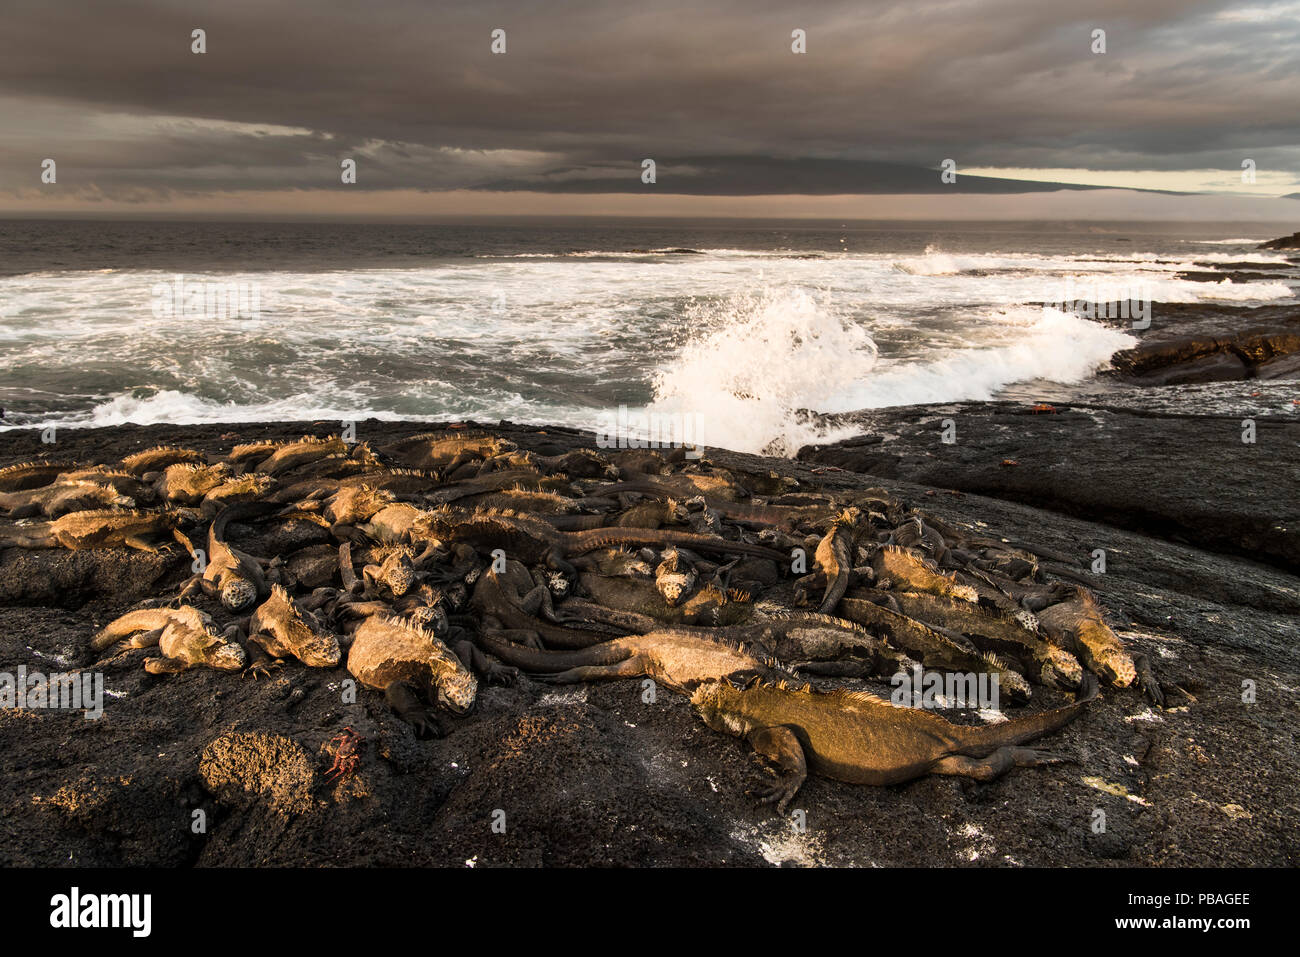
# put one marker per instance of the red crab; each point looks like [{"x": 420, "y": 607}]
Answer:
[
  {"x": 1043, "y": 407},
  {"x": 347, "y": 754}
]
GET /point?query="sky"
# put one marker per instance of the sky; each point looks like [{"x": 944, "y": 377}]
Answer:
[{"x": 1035, "y": 121}]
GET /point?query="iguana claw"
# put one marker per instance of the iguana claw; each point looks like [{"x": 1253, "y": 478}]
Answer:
[{"x": 262, "y": 669}]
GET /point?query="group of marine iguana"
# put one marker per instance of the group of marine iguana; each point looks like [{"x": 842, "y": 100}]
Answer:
[{"x": 454, "y": 557}]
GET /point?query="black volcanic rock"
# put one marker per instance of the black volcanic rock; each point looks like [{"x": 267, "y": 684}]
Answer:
[{"x": 1285, "y": 242}]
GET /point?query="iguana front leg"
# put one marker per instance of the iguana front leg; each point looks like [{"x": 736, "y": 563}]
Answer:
[
  {"x": 164, "y": 666},
  {"x": 474, "y": 659},
  {"x": 406, "y": 703},
  {"x": 347, "y": 573},
  {"x": 1147, "y": 680},
  {"x": 780, "y": 746},
  {"x": 260, "y": 663}
]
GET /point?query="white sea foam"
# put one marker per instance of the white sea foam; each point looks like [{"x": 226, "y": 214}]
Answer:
[{"x": 746, "y": 338}]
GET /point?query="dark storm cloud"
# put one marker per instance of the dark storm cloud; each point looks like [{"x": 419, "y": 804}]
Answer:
[{"x": 587, "y": 89}]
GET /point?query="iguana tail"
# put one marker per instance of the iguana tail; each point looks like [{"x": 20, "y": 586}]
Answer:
[
  {"x": 242, "y": 510},
  {"x": 550, "y": 662},
  {"x": 979, "y": 741},
  {"x": 579, "y": 542}
]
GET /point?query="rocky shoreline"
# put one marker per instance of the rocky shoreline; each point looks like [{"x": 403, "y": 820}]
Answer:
[{"x": 1201, "y": 563}]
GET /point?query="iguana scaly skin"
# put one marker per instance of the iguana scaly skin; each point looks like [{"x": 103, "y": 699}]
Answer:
[
  {"x": 158, "y": 458},
  {"x": 186, "y": 637},
  {"x": 99, "y": 528},
  {"x": 448, "y": 450},
  {"x": 862, "y": 739},
  {"x": 676, "y": 658},
  {"x": 234, "y": 576},
  {"x": 25, "y": 475},
  {"x": 834, "y": 558},
  {"x": 248, "y": 487},
  {"x": 1077, "y": 626},
  {"x": 302, "y": 452},
  {"x": 405, "y": 661},
  {"x": 281, "y": 627},
  {"x": 62, "y": 497},
  {"x": 912, "y": 573},
  {"x": 933, "y": 648},
  {"x": 992, "y": 631},
  {"x": 186, "y": 483}
]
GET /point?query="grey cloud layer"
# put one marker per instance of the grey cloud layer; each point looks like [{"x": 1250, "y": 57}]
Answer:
[{"x": 588, "y": 88}]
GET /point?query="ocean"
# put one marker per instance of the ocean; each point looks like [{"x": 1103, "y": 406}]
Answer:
[{"x": 744, "y": 328}]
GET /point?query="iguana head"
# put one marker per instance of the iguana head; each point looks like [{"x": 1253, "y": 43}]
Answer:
[
  {"x": 431, "y": 617},
  {"x": 1062, "y": 669},
  {"x": 358, "y": 503},
  {"x": 674, "y": 578},
  {"x": 238, "y": 594},
  {"x": 717, "y": 704},
  {"x": 456, "y": 691},
  {"x": 557, "y": 583},
  {"x": 311, "y": 643},
  {"x": 212, "y": 648},
  {"x": 396, "y": 573},
  {"x": 1112, "y": 663}
]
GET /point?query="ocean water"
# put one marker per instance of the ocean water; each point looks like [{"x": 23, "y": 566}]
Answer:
[{"x": 739, "y": 328}]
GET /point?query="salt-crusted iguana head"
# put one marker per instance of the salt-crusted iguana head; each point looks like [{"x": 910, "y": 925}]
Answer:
[
  {"x": 238, "y": 594},
  {"x": 396, "y": 572},
  {"x": 456, "y": 691},
  {"x": 674, "y": 577},
  {"x": 718, "y": 705}
]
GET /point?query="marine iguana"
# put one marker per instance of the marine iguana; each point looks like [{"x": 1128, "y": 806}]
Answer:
[
  {"x": 25, "y": 475},
  {"x": 158, "y": 458},
  {"x": 248, "y": 487},
  {"x": 834, "y": 558},
  {"x": 933, "y": 648},
  {"x": 447, "y": 451},
  {"x": 186, "y": 637},
  {"x": 677, "y": 658},
  {"x": 98, "y": 528},
  {"x": 811, "y": 642},
  {"x": 281, "y": 627},
  {"x": 516, "y": 602},
  {"x": 708, "y": 605},
  {"x": 390, "y": 573},
  {"x": 1077, "y": 626},
  {"x": 408, "y": 663},
  {"x": 857, "y": 737},
  {"x": 309, "y": 448},
  {"x": 62, "y": 497},
  {"x": 675, "y": 578},
  {"x": 122, "y": 481},
  {"x": 235, "y": 577},
  {"x": 186, "y": 483},
  {"x": 902, "y": 569},
  {"x": 990, "y": 630}
]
